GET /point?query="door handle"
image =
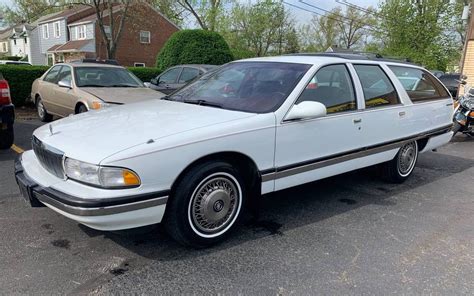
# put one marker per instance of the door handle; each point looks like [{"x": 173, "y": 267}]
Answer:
[
  {"x": 402, "y": 113},
  {"x": 358, "y": 120}
]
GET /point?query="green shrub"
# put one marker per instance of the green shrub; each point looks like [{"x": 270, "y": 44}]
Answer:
[
  {"x": 194, "y": 47},
  {"x": 20, "y": 78},
  {"x": 145, "y": 74}
]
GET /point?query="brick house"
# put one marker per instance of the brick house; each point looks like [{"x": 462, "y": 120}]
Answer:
[
  {"x": 144, "y": 34},
  {"x": 468, "y": 58}
]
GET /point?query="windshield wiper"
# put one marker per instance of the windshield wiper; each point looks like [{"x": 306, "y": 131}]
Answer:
[
  {"x": 93, "y": 85},
  {"x": 122, "y": 85},
  {"x": 203, "y": 103}
]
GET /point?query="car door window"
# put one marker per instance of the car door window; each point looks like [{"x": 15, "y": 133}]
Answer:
[
  {"x": 419, "y": 84},
  {"x": 170, "y": 76},
  {"x": 65, "y": 74},
  {"x": 188, "y": 74},
  {"x": 377, "y": 87},
  {"x": 332, "y": 86},
  {"x": 52, "y": 75}
]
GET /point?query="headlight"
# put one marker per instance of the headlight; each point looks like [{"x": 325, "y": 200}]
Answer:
[
  {"x": 106, "y": 177},
  {"x": 96, "y": 105}
]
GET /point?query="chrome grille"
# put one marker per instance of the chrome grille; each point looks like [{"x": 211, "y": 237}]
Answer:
[{"x": 51, "y": 159}]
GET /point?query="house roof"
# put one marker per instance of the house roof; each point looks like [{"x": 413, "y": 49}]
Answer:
[
  {"x": 53, "y": 48},
  {"x": 71, "y": 46},
  {"x": 64, "y": 14},
  {"x": 93, "y": 17}
]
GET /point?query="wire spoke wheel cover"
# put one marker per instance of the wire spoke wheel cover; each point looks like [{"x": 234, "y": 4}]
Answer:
[
  {"x": 407, "y": 158},
  {"x": 40, "y": 109},
  {"x": 215, "y": 205}
]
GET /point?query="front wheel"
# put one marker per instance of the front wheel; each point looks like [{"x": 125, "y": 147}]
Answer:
[
  {"x": 42, "y": 113},
  {"x": 400, "y": 168},
  {"x": 205, "y": 204}
]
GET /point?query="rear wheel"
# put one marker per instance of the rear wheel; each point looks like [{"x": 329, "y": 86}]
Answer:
[
  {"x": 42, "y": 113},
  {"x": 205, "y": 205},
  {"x": 6, "y": 138},
  {"x": 400, "y": 168}
]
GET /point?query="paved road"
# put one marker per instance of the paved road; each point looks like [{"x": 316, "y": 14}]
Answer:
[{"x": 351, "y": 234}]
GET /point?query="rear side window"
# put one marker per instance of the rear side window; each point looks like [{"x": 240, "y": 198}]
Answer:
[
  {"x": 377, "y": 87},
  {"x": 188, "y": 74},
  {"x": 419, "y": 84},
  {"x": 331, "y": 86}
]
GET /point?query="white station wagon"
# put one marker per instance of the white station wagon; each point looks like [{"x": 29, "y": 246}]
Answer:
[{"x": 195, "y": 159}]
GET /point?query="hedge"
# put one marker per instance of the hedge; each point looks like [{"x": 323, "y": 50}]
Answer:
[
  {"x": 194, "y": 47},
  {"x": 21, "y": 77}
]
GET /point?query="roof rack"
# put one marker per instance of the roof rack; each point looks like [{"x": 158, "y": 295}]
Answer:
[
  {"x": 94, "y": 61},
  {"x": 355, "y": 56}
]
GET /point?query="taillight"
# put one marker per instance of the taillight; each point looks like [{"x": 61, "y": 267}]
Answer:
[{"x": 5, "y": 98}]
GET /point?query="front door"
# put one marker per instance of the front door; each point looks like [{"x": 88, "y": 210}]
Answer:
[
  {"x": 307, "y": 149},
  {"x": 168, "y": 81},
  {"x": 65, "y": 97}
]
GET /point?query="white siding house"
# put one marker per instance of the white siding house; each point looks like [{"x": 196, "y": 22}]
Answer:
[{"x": 24, "y": 42}]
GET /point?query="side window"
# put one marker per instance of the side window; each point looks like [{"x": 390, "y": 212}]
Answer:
[
  {"x": 170, "y": 76},
  {"x": 52, "y": 75},
  {"x": 419, "y": 84},
  {"x": 377, "y": 87},
  {"x": 65, "y": 74},
  {"x": 331, "y": 86},
  {"x": 188, "y": 74}
]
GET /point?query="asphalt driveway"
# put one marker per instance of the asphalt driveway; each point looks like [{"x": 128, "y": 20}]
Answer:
[{"x": 351, "y": 234}]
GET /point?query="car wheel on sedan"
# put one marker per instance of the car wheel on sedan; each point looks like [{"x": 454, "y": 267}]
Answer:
[
  {"x": 205, "y": 204},
  {"x": 400, "y": 168},
  {"x": 81, "y": 109},
  {"x": 42, "y": 113}
]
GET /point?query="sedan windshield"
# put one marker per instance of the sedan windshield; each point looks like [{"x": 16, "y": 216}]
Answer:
[
  {"x": 105, "y": 77},
  {"x": 257, "y": 87}
]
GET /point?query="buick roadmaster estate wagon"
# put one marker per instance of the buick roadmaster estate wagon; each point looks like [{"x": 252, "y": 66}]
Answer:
[{"x": 195, "y": 159}]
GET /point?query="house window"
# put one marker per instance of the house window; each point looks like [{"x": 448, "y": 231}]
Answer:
[
  {"x": 81, "y": 32},
  {"x": 14, "y": 41},
  {"x": 139, "y": 64},
  {"x": 108, "y": 32},
  {"x": 46, "y": 31},
  {"x": 144, "y": 36},
  {"x": 25, "y": 40},
  {"x": 4, "y": 47},
  {"x": 57, "y": 29}
]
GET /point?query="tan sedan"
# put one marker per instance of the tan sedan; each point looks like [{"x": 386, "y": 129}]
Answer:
[{"x": 72, "y": 88}]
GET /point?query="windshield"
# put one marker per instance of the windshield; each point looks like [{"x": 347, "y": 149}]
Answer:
[
  {"x": 257, "y": 87},
  {"x": 105, "y": 77}
]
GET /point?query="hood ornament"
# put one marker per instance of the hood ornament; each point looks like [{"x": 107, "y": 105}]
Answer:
[{"x": 51, "y": 129}]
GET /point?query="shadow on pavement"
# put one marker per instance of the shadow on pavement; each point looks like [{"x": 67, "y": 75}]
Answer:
[{"x": 295, "y": 207}]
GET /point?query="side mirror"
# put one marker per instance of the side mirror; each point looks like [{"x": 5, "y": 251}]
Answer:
[
  {"x": 65, "y": 83},
  {"x": 147, "y": 84},
  {"x": 154, "y": 81},
  {"x": 463, "y": 77},
  {"x": 306, "y": 109}
]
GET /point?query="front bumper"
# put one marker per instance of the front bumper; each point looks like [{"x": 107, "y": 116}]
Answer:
[{"x": 113, "y": 213}]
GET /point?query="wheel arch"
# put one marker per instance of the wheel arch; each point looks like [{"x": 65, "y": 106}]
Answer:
[
  {"x": 78, "y": 104},
  {"x": 244, "y": 163}
]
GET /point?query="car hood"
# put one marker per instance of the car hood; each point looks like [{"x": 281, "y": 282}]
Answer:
[
  {"x": 95, "y": 135},
  {"x": 123, "y": 95}
]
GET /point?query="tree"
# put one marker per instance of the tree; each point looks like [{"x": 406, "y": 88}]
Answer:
[
  {"x": 262, "y": 28},
  {"x": 112, "y": 14},
  {"x": 171, "y": 9},
  {"x": 27, "y": 11},
  {"x": 206, "y": 12},
  {"x": 420, "y": 30},
  {"x": 344, "y": 29}
]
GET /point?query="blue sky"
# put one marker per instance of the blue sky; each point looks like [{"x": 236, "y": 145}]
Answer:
[{"x": 300, "y": 15}]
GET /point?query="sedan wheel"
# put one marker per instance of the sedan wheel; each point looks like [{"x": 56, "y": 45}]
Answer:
[
  {"x": 205, "y": 204},
  {"x": 81, "y": 109},
  {"x": 42, "y": 113}
]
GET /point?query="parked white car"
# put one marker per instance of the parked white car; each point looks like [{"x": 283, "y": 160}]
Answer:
[{"x": 194, "y": 159}]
